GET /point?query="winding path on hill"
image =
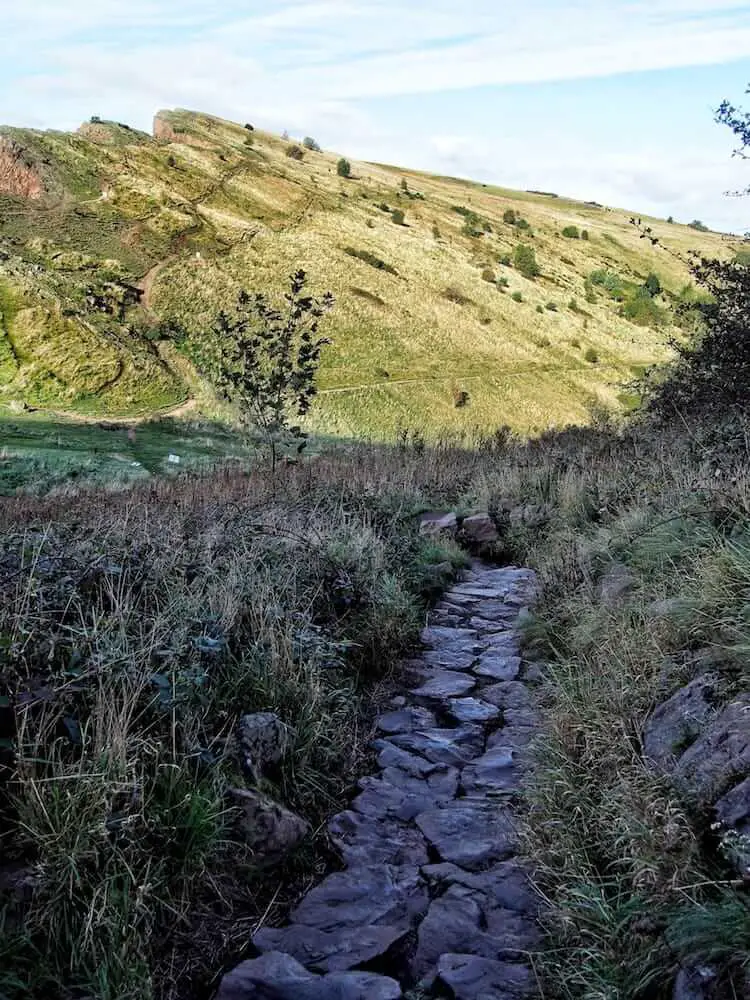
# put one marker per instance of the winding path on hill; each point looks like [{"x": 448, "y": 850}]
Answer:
[{"x": 433, "y": 896}]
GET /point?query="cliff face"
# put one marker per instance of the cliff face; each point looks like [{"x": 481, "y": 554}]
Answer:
[{"x": 18, "y": 175}]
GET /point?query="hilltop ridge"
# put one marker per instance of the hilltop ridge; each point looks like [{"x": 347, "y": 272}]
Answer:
[{"x": 117, "y": 249}]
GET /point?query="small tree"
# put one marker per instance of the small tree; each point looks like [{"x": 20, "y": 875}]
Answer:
[
  {"x": 264, "y": 361},
  {"x": 652, "y": 285},
  {"x": 700, "y": 226},
  {"x": 344, "y": 168},
  {"x": 571, "y": 233},
  {"x": 309, "y": 143},
  {"x": 524, "y": 259}
]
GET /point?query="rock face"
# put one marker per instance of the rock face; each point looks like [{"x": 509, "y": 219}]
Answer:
[
  {"x": 18, "y": 174},
  {"x": 269, "y": 828},
  {"x": 679, "y": 721},
  {"x": 432, "y": 894},
  {"x": 479, "y": 530}
]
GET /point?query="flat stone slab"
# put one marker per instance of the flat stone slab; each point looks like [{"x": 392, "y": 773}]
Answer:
[
  {"x": 443, "y": 746},
  {"x": 495, "y": 771},
  {"x": 381, "y": 800},
  {"x": 363, "y": 841},
  {"x": 444, "y": 684},
  {"x": 275, "y": 976},
  {"x": 473, "y": 978},
  {"x": 437, "y": 635},
  {"x": 472, "y": 710},
  {"x": 362, "y": 897},
  {"x": 487, "y": 626},
  {"x": 469, "y": 832},
  {"x": 405, "y": 720},
  {"x": 500, "y": 668},
  {"x": 505, "y": 886},
  {"x": 481, "y": 590},
  {"x": 508, "y": 694},
  {"x": 328, "y": 951},
  {"x": 448, "y": 659}
]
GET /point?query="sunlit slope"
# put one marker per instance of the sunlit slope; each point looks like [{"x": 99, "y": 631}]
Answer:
[{"x": 117, "y": 249}]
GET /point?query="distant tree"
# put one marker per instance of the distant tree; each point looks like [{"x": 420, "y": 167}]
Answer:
[
  {"x": 309, "y": 143},
  {"x": 265, "y": 360},
  {"x": 344, "y": 168},
  {"x": 584, "y": 234},
  {"x": 249, "y": 127},
  {"x": 652, "y": 285},
  {"x": 700, "y": 226},
  {"x": 670, "y": 219},
  {"x": 398, "y": 216},
  {"x": 295, "y": 153},
  {"x": 95, "y": 120},
  {"x": 524, "y": 260},
  {"x": 571, "y": 233}
]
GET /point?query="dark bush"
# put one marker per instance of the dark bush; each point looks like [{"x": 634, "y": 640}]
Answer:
[
  {"x": 460, "y": 398},
  {"x": 344, "y": 168},
  {"x": 591, "y": 356},
  {"x": 309, "y": 143},
  {"x": 509, "y": 216},
  {"x": 295, "y": 152},
  {"x": 397, "y": 216},
  {"x": 700, "y": 226},
  {"x": 454, "y": 294},
  {"x": 517, "y": 297},
  {"x": 524, "y": 259},
  {"x": 571, "y": 233},
  {"x": 488, "y": 275},
  {"x": 652, "y": 285},
  {"x": 371, "y": 259}
]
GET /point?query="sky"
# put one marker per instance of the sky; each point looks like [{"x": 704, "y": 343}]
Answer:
[{"x": 605, "y": 100}]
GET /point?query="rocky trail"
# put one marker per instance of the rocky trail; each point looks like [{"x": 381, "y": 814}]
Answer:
[{"x": 433, "y": 900}]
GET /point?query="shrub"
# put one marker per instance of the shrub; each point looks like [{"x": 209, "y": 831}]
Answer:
[
  {"x": 397, "y": 216},
  {"x": 502, "y": 282},
  {"x": 540, "y": 309},
  {"x": 454, "y": 294},
  {"x": 171, "y": 161},
  {"x": 575, "y": 342},
  {"x": 544, "y": 342},
  {"x": 435, "y": 231},
  {"x": 488, "y": 275},
  {"x": 571, "y": 233},
  {"x": 295, "y": 152},
  {"x": 641, "y": 309},
  {"x": 460, "y": 397},
  {"x": 517, "y": 297},
  {"x": 670, "y": 219},
  {"x": 591, "y": 356},
  {"x": 552, "y": 306},
  {"x": 524, "y": 259},
  {"x": 652, "y": 285},
  {"x": 344, "y": 168},
  {"x": 249, "y": 127},
  {"x": 588, "y": 288},
  {"x": 584, "y": 234},
  {"x": 309, "y": 143},
  {"x": 700, "y": 226},
  {"x": 404, "y": 186},
  {"x": 505, "y": 260},
  {"x": 523, "y": 225},
  {"x": 509, "y": 216},
  {"x": 383, "y": 207},
  {"x": 573, "y": 306},
  {"x": 371, "y": 259}
]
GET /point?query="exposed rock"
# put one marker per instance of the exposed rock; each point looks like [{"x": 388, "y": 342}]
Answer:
[
  {"x": 263, "y": 739},
  {"x": 443, "y": 684},
  {"x": 472, "y": 710},
  {"x": 362, "y": 841},
  {"x": 381, "y": 799},
  {"x": 694, "y": 981},
  {"x": 500, "y": 668},
  {"x": 474, "y": 978},
  {"x": 445, "y": 659},
  {"x": 469, "y": 832},
  {"x": 19, "y": 176},
  {"x": 405, "y": 720},
  {"x": 438, "y": 523},
  {"x": 616, "y": 584},
  {"x": 274, "y": 976},
  {"x": 269, "y": 828},
  {"x": 508, "y": 694},
  {"x": 496, "y": 771},
  {"x": 329, "y": 951},
  {"x": 448, "y": 638},
  {"x": 443, "y": 746},
  {"x": 677, "y": 723},
  {"x": 479, "y": 529},
  {"x": 719, "y": 758},
  {"x": 733, "y": 812},
  {"x": 505, "y": 886}
]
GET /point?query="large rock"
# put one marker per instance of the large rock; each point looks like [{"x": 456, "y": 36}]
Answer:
[
  {"x": 495, "y": 772},
  {"x": 719, "y": 758},
  {"x": 505, "y": 886},
  {"x": 329, "y": 951},
  {"x": 470, "y": 832},
  {"x": 381, "y": 799},
  {"x": 470, "y": 977},
  {"x": 434, "y": 523},
  {"x": 363, "y": 841},
  {"x": 508, "y": 695},
  {"x": 440, "y": 685},
  {"x": 275, "y": 976},
  {"x": 499, "y": 668},
  {"x": 442, "y": 637},
  {"x": 263, "y": 739},
  {"x": 677, "y": 723},
  {"x": 733, "y": 812},
  {"x": 447, "y": 659},
  {"x": 268, "y": 828},
  {"x": 443, "y": 746},
  {"x": 472, "y": 710},
  {"x": 479, "y": 530},
  {"x": 405, "y": 720}
]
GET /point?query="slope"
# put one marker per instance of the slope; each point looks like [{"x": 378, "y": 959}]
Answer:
[{"x": 118, "y": 248}]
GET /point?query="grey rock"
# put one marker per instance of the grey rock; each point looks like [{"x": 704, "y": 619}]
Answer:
[
  {"x": 362, "y": 897},
  {"x": 719, "y": 758},
  {"x": 443, "y": 746},
  {"x": 329, "y": 951},
  {"x": 528, "y": 717},
  {"x": 532, "y": 673},
  {"x": 275, "y": 976},
  {"x": 616, "y": 584},
  {"x": 446, "y": 659},
  {"x": 474, "y": 978},
  {"x": 694, "y": 981},
  {"x": 508, "y": 694},
  {"x": 405, "y": 720},
  {"x": 500, "y": 668},
  {"x": 733, "y": 809},
  {"x": 505, "y": 886},
  {"x": 492, "y": 626},
  {"x": 469, "y": 832},
  {"x": 268, "y": 828},
  {"x": 479, "y": 529},
  {"x": 485, "y": 591},
  {"x": 445, "y": 637},
  {"x": 494, "y": 772},
  {"x": 380, "y": 800},
  {"x": 364, "y": 842},
  {"x": 678, "y": 722},
  {"x": 389, "y": 755},
  {"x": 443, "y": 684},
  {"x": 263, "y": 738},
  {"x": 472, "y": 710},
  {"x": 435, "y": 523}
]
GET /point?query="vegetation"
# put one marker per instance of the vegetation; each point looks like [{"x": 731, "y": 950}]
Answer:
[
  {"x": 309, "y": 143},
  {"x": 524, "y": 260},
  {"x": 397, "y": 216},
  {"x": 571, "y": 233},
  {"x": 344, "y": 168}
]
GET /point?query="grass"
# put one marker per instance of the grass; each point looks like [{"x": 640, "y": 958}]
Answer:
[{"x": 253, "y": 215}]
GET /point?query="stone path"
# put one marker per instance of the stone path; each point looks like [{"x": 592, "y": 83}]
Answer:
[{"x": 432, "y": 898}]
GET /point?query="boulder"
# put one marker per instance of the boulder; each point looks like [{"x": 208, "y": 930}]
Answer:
[
  {"x": 470, "y": 977},
  {"x": 405, "y": 720},
  {"x": 329, "y": 951},
  {"x": 694, "y": 981},
  {"x": 498, "y": 667},
  {"x": 263, "y": 738},
  {"x": 363, "y": 841},
  {"x": 479, "y": 529},
  {"x": 719, "y": 758},
  {"x": 434, "y": 523},
  {"x": 275, "y": 976},
  {"x": 472, "y": 710},
  {"x": 469, "y": 832},
  {"x": 440, "y": 685},
  {"x": 678, "y": 722},
  {"x": 268, "y": 828}
]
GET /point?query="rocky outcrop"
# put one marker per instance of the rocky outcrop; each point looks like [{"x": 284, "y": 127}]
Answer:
[
  {"x": 165, "y": 131},
  {"x": 433, "y": 895},
  {"x": 19, "y": 176}
]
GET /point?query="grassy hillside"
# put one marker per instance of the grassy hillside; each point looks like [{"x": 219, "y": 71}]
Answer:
[{"x": 117, "y": 249}]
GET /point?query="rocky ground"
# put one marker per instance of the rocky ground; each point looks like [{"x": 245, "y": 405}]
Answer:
[{"x": 433, "y": 899}]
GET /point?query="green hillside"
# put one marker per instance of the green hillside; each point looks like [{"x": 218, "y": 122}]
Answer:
[{"x": 118, "y": 248}]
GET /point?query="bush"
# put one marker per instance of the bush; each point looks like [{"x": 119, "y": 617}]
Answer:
[
  {"x": 575, "y": 342},
  {"x": 383, "y": 207},
  {"x": 591, "y": 356},
  {"x": 344, "y": 168},
  {"x": 488, "y": 275},
  {"x": 435, "y": 231},
  {"x": 454, "y": 294},
  {"x": 309, "y": 143},
  {"x": 295, "y": 152},
  {"x": 571, "y": 233},
  {"x": 509, "y": 216},
  {"x": 670, "y": 219},
  {"x": 642, "y": 310},
  {"x": 502, "y": 282},
  {"x": 540, "y": 309},
  {"x": 517, "y": 297},
  {"x": 505, "y": 260},
  {"x": 552, "y": 306},
  {"x": 523, "y": 225},
  {"x": 652, "y": 285},
  {"x": 588, "y": 288},
  {"x": 700, "y": 226},
  {"x": 573, "y": 306},
  {"x": 371, "y": 259},
  {"x": 460, "y": 398},
  {"x": 249, "y": 127},
  {"x": 524, "y": 259},
  {"x": 584, "y": 234},
  {"x": 397, "y": 216}
]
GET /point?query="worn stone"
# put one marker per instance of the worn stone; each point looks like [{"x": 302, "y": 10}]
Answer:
[
  {"x": 508, "y": 695},
  {"x": 677, "y": 723},
  {"x": 505, "y": 886},
  {"x": 479, "y": 529},
  {"x": 500, "y": 668},
  {"x": 443, "y": 746},
  {"x": 405, "y": 720},
  {"x": 268, "y": 828},
  {"x": 470, "y": 977},
  {"x": 435, "y": 523},
  {"x": 275, "y": 976},
  {"x": 495, "y": 771},
  {"x": 446, "y": 659},
  {"x": 694, "y": 981},
  {"x": 435, "y": 635},
  {"x": 263, "y": 738},
  {"x": 472, "y": 710},
  {"x": 443, "y": 684},
  {"x": 329, "y": 951},
  {"x": 469, "y": 832},
  {"x": 719, "y": 758},
  {"x": 364, "y": 842}
]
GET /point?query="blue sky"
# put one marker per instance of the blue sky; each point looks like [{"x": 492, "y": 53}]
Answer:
[{"x": 610, "y": 100}]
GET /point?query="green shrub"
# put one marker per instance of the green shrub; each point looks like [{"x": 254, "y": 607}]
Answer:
[
  {"x": 540, "y": 309},
  {"x": 552, "y": 306},
  {"x": 488, "y": 275},
  {"x": 584, "y": 234},
  {"x": 502, "y": 282},
  {"x": 371, "y": 259},
  {"x": 505, "y": 260},
  {"x": 454, "y": 294},
  {"x": 575, "y": 342},
  {"x": 573, "y": 306},
  {"x": 652, "y": 285},
  {"x": 523, "y": 225},
  {"x": 344, "y": 168},
  {"x": 509, "y": 216},
  {"x": 309, "y": 143},
  {"x": 517, "y": 297},
  {"x": 700, "y": 226},
  {"x": 525, "y": 261},
  {"x": 591, "y": 356},
  {"x": 397, "y": 216},
  {"x": 571, "y": 233},
  {"x": 641, "y": 309}
]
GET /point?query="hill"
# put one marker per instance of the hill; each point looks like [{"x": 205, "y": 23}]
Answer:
[{"x": 117, "y": 249}]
